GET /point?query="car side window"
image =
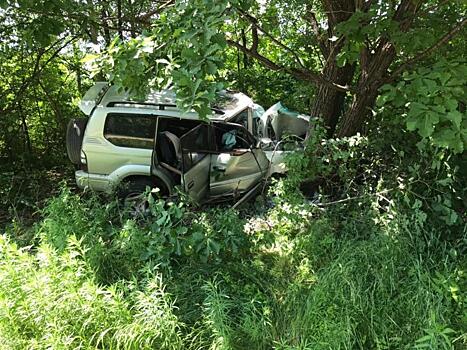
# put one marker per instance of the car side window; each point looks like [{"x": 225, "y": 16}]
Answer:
[
  {"x": 230, "y": 137},
  {"x": 241, "y": 118},
  {"x": 196, "y": 145},
  {"x": 130, "y": 130}
]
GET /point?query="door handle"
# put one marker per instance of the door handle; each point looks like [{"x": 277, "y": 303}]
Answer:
[{"x": 191, "y": 184}]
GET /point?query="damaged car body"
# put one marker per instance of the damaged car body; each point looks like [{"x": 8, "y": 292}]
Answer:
[{"x": 133, "y": 144}]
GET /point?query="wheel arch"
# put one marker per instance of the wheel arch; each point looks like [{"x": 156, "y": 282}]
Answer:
[{"x": 154, "y": 180}]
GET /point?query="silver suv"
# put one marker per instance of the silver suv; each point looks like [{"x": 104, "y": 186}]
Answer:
[{"x": 152, "y": 143}]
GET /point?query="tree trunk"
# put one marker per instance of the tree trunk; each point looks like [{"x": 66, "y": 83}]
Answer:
[
  {"x": 372, "y": 72},
  {"x": 25, "y": 129},
  {"x": 329, "y": 103},
  {"x": 353, "y": 120},
  {"x": 373, "y": 68}
]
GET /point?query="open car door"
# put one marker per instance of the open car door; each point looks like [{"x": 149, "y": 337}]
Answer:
[
  {"x": 238, "y": 164},
  {"x": 196, "y": 162}
]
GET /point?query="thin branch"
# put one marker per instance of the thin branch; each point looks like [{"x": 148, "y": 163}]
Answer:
[
  {"x": 265, "y": 61},
  {"x": 254, "y": 22},
  {"x": 327, "y": 204},
  {"x": 55, "y": 54},
  {"x": 443, "y": 40},
  {"x": 145, "y": 17},
  {"x": 301, "y": 74},
  {"x": 37, "y": 70}
]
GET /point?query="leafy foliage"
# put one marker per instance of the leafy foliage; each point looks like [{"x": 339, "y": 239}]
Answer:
[
  {"x": 118, "y": 245},
  {"x": 434, "y": 103},
  {"x": 383, "y": 275}
]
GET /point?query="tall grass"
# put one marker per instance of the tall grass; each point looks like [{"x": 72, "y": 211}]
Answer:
[
  {"x": 301, "y": 280},
  {"x": 51, "y": 301}
]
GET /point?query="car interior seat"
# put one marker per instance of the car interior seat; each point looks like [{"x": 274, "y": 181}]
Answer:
[{"x": 170, "y": 152}]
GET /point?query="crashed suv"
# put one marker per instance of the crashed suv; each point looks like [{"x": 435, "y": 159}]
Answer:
[{"x": 131, "y": 144}]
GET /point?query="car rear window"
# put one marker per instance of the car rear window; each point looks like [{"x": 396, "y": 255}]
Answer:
[{"x": 130, "y": 130}]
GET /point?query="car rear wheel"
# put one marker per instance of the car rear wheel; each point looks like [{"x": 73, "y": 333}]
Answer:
[{"x": 132, "y": 194}]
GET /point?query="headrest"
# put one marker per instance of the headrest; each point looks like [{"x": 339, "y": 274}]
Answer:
[{"x": 175, "y": 142}]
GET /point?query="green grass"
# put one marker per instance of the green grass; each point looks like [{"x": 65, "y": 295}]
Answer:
[
  {"x": 275, "y": 280},
  {"x": 51, "y": 301}
]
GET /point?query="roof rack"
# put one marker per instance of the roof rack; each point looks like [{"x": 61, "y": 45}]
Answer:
[{"x": 160, "y": 106}]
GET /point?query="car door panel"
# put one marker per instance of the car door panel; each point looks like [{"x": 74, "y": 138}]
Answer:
[
  {"x": 196, "y": 180},
  {"x": 196, "y": 162},
  {"x": 236, "y": 170}
]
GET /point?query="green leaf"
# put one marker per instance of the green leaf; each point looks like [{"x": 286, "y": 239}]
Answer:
[
  {"x": 445, "y": 137},
  {"x": 448, "y": 138},
  {"x": 444, "y": 77},
  {"x": 89, "y": 58},
  {"x": 455, "y": 117},
  {"x": 417, "y": 108},
  {"x": 451, "y": 104},
  {"x": 213, "y": 246},
  {"x": 211, "y": 68},
  {"x": 427, "y": 124}
]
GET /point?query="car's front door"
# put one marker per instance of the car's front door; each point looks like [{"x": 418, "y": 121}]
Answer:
[
  {"x": 196, "y": 162},
  {"x": 238, "y": 164}
]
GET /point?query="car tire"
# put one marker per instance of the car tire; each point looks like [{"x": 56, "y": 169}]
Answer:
[
  {"x": 74, "y": 139},
  {"x": 133, "y": 187},
  {"x": 131, "y": 193}
]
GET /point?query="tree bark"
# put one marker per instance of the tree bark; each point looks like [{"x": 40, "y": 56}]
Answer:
[
  {"x": 329, "y": 103},
  {"x": 373, "y": 71}
]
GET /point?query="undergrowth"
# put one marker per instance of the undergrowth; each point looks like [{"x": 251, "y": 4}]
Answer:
[
  {"x": 97, "y": 278},
  {"x": 382, "y": 268}
]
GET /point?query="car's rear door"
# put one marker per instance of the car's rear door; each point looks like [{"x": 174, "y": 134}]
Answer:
[{"x": 196, "y": 162}]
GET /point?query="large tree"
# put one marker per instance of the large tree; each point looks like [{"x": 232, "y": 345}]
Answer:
[{"x": 349, "y": 49}]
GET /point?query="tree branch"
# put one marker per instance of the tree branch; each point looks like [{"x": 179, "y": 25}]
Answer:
[
  {"x": 443, "y": 40},
  {"x": 145, "y": 17},
  {"x": 299, "y": 73},
  {"x": 323, "y": 45},
  {"x": 254, "y": 36},
  {"x": 37, "y": 70},
  {"x": 264, "y": 60},
  {"x": 254, "y": 23}
]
